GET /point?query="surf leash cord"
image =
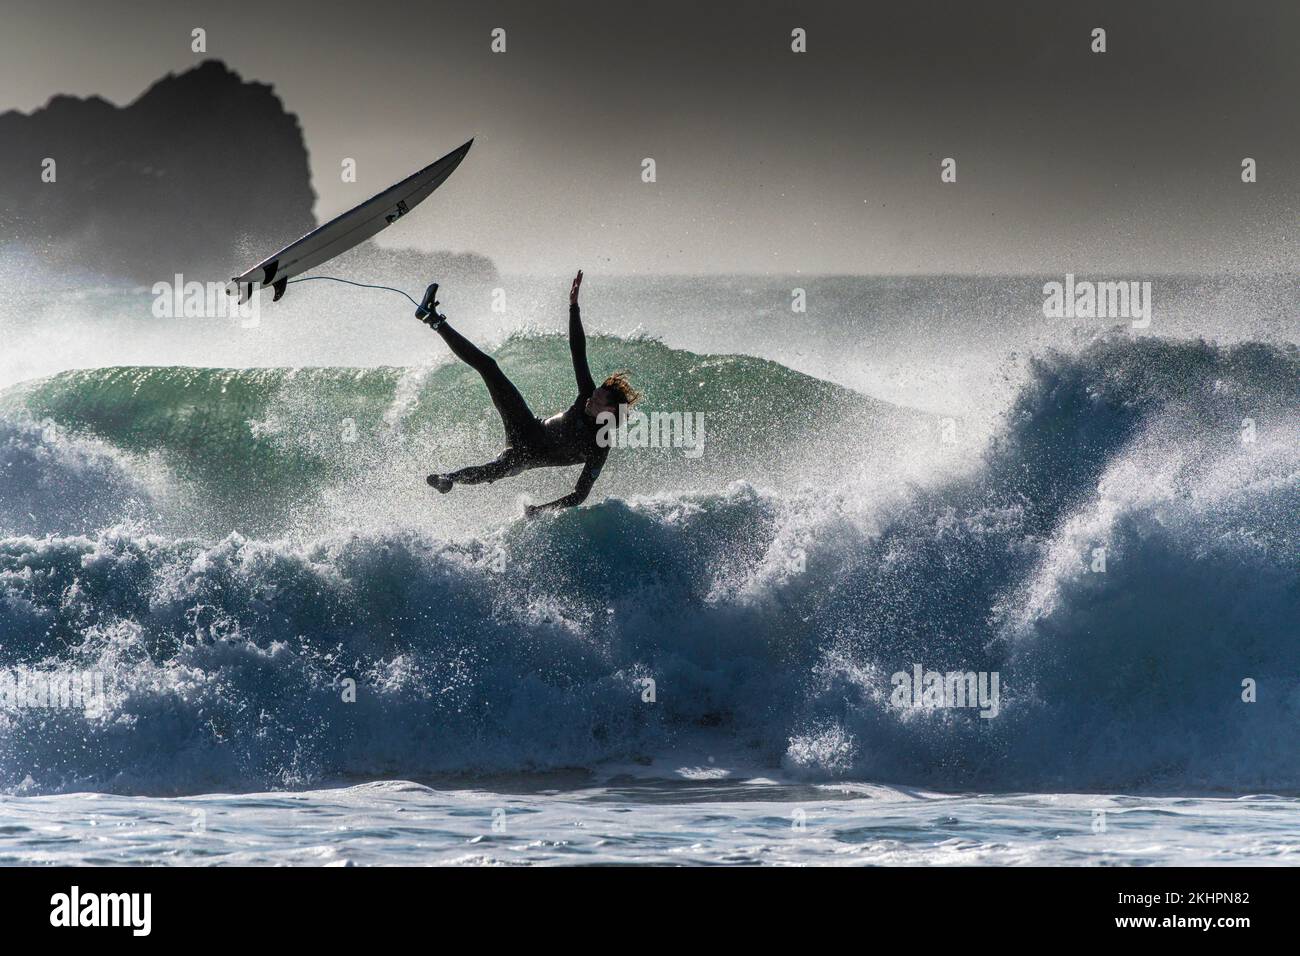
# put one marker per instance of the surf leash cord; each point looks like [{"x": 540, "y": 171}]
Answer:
[{"x": 360, "y": 285}]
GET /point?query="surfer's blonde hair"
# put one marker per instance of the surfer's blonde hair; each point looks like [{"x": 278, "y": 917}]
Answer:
[{"x": 619, "y": 382}]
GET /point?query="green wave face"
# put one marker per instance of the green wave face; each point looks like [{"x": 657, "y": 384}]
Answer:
[{"x": 259, "y": 445}]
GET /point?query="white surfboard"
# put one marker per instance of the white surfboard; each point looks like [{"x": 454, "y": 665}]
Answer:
[{"x": 354, "y": 226}]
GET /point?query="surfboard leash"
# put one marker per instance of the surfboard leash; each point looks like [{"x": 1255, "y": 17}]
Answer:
[{"x": 360, "y": 285}]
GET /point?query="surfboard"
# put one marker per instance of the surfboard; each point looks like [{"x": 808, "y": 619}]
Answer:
[{"x": 353, "y": 227}]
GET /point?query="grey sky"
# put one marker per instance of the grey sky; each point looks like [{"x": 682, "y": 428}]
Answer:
[{"x": 1127, "y": 162}]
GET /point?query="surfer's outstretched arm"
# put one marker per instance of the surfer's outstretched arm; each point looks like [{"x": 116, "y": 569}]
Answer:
[
  {"x": 590, "y": 472},
  {"x": 578, "y": 343}
]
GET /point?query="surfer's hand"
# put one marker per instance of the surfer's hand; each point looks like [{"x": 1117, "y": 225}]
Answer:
[{"x": 573, "y": 292}]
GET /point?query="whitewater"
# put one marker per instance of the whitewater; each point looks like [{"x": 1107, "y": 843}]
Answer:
[{"x": 309, "y": 657}]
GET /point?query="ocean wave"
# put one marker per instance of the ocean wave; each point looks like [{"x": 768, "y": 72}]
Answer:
[
  {"x": 1122, "y": 554},
  {"x": 258, "y": 449}
]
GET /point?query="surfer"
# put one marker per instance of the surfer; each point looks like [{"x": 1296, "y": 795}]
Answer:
[{"x": 566, "y": 438}]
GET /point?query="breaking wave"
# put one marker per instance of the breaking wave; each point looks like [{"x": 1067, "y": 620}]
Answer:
[{"x": 1123, "y": 551}]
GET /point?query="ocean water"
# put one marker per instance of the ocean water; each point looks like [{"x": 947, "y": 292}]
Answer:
[
  {"x": 293, "y": 651},
  {"x": 685, "y": 822}
]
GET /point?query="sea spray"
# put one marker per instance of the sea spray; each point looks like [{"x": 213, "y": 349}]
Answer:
[{"x": 227, "y": 658}]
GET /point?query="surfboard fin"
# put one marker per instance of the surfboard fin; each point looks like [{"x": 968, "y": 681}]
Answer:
[{"x": 279, "y": 288}]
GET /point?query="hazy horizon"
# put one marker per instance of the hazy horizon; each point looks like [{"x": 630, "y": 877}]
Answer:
[{"x": 768, "y": 162}]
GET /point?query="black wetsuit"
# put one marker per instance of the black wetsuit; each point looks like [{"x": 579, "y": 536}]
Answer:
[{"x": 566, "y": 438}]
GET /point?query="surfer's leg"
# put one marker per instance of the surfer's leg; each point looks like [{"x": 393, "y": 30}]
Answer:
[
  {"x": 518, "y": 419},
  {"x": 509, "y": 462}
]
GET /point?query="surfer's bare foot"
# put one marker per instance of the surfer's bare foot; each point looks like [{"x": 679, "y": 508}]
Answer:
[{"x": 439, "y": 482}]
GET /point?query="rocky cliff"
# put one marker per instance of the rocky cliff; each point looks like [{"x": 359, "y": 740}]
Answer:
[{"x": 201, "y": 173}]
